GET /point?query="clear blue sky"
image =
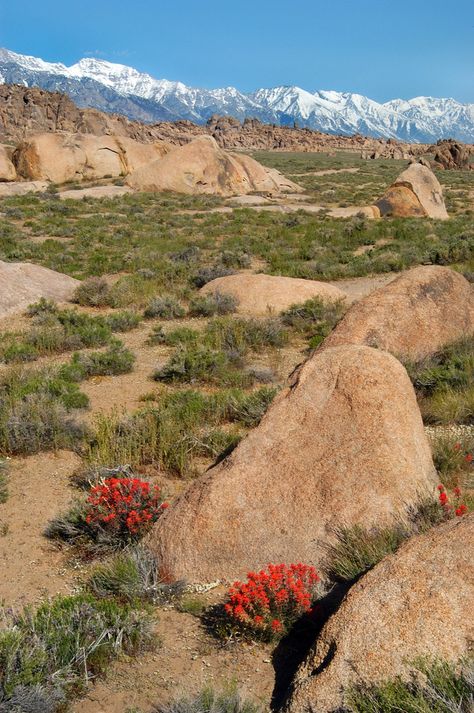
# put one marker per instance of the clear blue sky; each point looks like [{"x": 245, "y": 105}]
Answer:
[{"x": 381, "y": 48}]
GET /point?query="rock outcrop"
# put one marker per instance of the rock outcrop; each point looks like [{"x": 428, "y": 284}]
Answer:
[
  {"x": 202, "y": 167},
  {"x": 22, "y": 283},
  {"x": 450, "y": 154},
  {"x": 415, "y": 193},
  {"x": 62, "y": 157},
  {"x": 413, "y": 316},
  {"x": 344, "y": 444},
  {"x": 262, "y": 294},
  {"x": 7, "y": 169},
  {"x": 416, "y": 603}
]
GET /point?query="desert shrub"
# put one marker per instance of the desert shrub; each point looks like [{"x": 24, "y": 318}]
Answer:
[
  {"x": 249, "y": 409},
  {"x": 261, "y": 374},
  {"x": 181, "y": 426},
  {"x": 187, "y": 255},
  {"x": 116, "y": 511},
  {"x": 238, "y": 335},
  {"x": 93, "y": 292},
  {"x": 208, "y": 701},
  {"x": 43, "y": 306},
  {"x": 180, "y": 335},
  {"x": 197, "y": 363},
  {"x": 49, "y": 654},
  {"x": 435, "y": 686},
  {"x": 133, "y": 575},
  {"x": 356, "y": 549},
  {"x": 218, "y": 303},
  {"x": 3, "y": 482},
  {"x": 444, "y": 383},
  {"x": 114, "y": 360},
  {"x": 269, "y": 602},
  {"x": 166, "y": 307},
  {"x": 453, "y": 457},
  {"x": 207, "y": 274},
  {"x": 18, "y": 352},
  {"x": 315, "y": 318},
  {"x": 38, "y": 422},
  {"x": 235, "y": 258},
  {"x": 122, "y": 321}
]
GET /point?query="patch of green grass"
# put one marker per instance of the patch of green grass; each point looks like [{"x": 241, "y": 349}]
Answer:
[
  {"x": 435, "y": 686},
  {"x": 59, "y": 646},
  {"x": 449, "y": 456},
  {"x": 114, "y": 360},
  {"x": 444, "y": 383},
  {"x": 315, "y": 318},
  {"x": 182, "y": 426},
  {"x": 356, "y": 549},
  {"x": 218, "y": 303},
  {"x": 133, "y": 576},
  {"x": 208, "y": 701},
  {"x": 166, "y": 307}
]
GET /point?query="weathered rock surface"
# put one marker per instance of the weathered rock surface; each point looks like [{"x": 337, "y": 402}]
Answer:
[
  {"x": 7, "y": 169},
  {"x": 343, "y": 444},
  {"x": 202, "y": 167},
  {"x": 415, "y": 193},
  {"x": 418, "y": 602},
  {"x": 413, "y": 316},
  {"x": 62, "y": 157},
  {"x": 450, "y": 154},
  {"x": 261, "y": 294},
  {"x": 22, "y": 283}
]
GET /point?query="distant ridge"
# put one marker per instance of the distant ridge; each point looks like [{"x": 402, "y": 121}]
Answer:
[{"x": 121, "y": 89}]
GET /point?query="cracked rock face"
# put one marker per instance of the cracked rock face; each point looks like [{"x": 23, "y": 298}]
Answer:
[
  {"x": 418, "y": 602},
  {"x": 344, "y": 444}
]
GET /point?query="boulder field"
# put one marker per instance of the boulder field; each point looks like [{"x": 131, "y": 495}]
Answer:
[
  {"x": 22, "y": 283},
  {"x": 413, "y": 316},
  {"x": 343, "y": 444},
  {"x": 418, "y": 602},
  {"x": 202, "y": 167},
  {"x": 263, "y": 294}
]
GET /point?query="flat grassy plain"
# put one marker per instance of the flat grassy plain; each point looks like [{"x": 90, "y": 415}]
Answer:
[{"x": 147, "y": 375}]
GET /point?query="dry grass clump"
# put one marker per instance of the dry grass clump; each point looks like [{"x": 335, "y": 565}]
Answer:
[
  {"x": 209, "y": 701},
  {"x": 435, "y": 686},
  {"x": 166, "y": 307}
]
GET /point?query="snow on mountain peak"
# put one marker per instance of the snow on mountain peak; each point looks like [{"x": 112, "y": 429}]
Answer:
[{"x": 141, "y": 96}]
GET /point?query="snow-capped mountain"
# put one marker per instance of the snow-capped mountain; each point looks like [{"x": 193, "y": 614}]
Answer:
[{"x": 122, "y": 89}]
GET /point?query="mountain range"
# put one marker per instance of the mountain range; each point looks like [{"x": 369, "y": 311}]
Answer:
[{"x": 117, "y": 88}]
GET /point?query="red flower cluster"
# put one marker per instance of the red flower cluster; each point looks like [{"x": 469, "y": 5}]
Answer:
[
  {"x": 127, "y": 506},
  {"x": 270, "y": 601},
  {"x": 457, "y": 507}
]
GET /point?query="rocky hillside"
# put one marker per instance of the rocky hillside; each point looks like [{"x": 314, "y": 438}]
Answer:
[{"x": 24, "y": 111}]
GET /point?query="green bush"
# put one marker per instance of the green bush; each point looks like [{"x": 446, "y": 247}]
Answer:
[
  {"x": 218, "y": 303},
  {"x": 315, "y": 318},
  {"x": 122, "y": 321},
  {"x": 207, "y": 274},
  {"x": 115, "y": 360},
  {"x": 133, "y": 575},
  {"x": 208, "y": 701},
  {"x": 435, "y": 686},
  {"x": 93, "y": 292},
  {"x": 238, "y": 335},
  {"x": 166, "y": 307},
  {"x": 190, "y": 364},
  {"x": 180, "y": 335},
  {"x": 63, "y": 643}
]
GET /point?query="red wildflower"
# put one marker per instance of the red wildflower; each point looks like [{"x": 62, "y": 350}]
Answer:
[{"x": 469, "y": 457}]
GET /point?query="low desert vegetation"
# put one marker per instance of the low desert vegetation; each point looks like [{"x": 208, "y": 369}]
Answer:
[
  {"x": 49, "y": 654},
  {"x": 269, "y": 602},
  {"x": 182, "y": 426},
  {"x": 55, "y": 330},
  {"x": 3, "y": 482},
  {"x": 356, "y": 549},
  {"x": 113, "y": 514},
  {"x": 315, "y": 318},
  {"x": 210, "y": 701},
  {"x": 444, "y": 384},
  {"x": 134, "y": 576},
  {"x": 211, "y": 305},
  {"x": 435, "y": 686}
]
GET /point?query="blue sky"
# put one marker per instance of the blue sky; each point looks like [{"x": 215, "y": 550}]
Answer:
[{"x": 380, "y": 48}]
